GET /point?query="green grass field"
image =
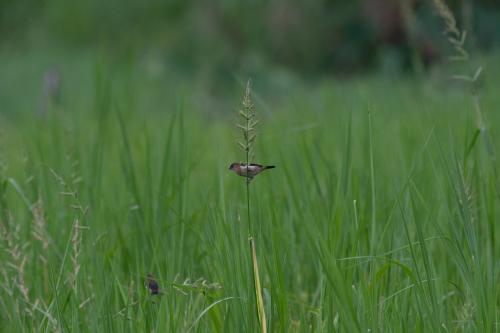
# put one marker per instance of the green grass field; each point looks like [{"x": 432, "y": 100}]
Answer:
[{"x": 381, "y": 215}]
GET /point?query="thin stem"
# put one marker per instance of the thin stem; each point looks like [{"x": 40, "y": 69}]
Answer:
[
  {"x": 248, "y": 210},
  {"x": 247, "y": 152},
  {"x": 248, "y": 182}
]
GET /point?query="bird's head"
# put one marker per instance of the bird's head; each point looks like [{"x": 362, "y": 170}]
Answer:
[{"x": 233, "y": 166}]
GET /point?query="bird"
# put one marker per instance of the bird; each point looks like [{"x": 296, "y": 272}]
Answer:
[
  {"x": 249, "y": 170},
  {"x": 152, "y": 285}
]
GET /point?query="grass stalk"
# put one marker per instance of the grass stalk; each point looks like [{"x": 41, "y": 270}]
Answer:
[
  {"x": 261, "y": 313},
  {"x": 248, "y": 130}
]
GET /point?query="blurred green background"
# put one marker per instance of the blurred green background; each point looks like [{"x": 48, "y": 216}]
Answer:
[
  {"x": 208, "y": 49},
  {"x": 309, "y": 37},
  {"x": 214, "y": 40}
]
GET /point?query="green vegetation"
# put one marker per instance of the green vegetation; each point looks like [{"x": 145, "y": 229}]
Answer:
[
  {"x": 311, "y": 37},
  {"x": 118, "y": 211},
  {"x": 381, "y": 214}
]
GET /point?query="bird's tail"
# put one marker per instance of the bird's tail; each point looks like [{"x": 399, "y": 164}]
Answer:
[{"x": 269, "y": 167}]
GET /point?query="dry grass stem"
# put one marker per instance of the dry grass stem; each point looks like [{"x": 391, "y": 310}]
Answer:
[
  {"x": 39, "y": 231},
  {"x": 16, "y": 251}
]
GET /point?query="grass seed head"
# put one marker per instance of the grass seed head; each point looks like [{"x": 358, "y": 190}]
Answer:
[{"x": 248, "y": 124}]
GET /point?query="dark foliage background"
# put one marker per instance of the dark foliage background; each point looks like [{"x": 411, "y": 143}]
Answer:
[{"x": 309, "y": 37}]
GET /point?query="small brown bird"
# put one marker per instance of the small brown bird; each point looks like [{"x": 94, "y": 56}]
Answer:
[{"x": 249, "y": 170}]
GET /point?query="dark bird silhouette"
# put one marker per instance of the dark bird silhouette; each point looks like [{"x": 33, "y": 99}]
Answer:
[{"x": 152, "y": 285}]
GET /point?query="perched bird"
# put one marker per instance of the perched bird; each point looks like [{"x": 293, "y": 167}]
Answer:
[
  {"x": 152, "y": 285},
  {"x": 249, "y": 170}
]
